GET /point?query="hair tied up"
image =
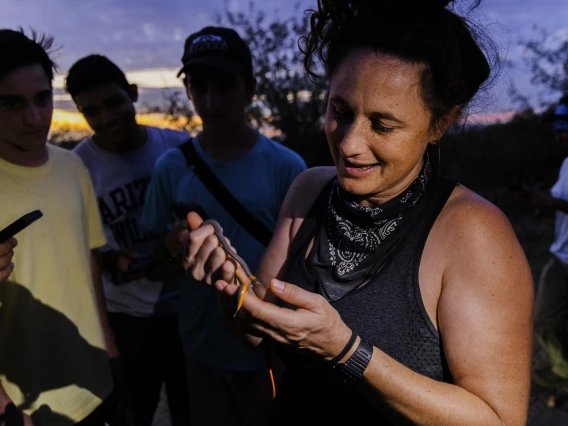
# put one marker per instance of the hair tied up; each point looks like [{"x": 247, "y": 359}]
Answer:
[{"x": 400, "y": 8}]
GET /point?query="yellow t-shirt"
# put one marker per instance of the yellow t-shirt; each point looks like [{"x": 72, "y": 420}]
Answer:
[{"x": 53, "y": 361}]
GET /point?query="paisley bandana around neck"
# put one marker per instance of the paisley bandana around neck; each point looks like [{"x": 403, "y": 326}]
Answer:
[{"x": 354, "y": 242}]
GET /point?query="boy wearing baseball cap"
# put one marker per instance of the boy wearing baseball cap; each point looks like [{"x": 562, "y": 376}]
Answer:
[{"x": 228, "y": 384}]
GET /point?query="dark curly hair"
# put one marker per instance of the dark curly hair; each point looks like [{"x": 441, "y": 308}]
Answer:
[
  {"x": 418, "y": 31},
  {"x": 18, "y": 50}
]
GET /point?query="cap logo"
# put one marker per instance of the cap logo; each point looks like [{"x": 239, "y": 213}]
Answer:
[{"x": 208, "y": 42}]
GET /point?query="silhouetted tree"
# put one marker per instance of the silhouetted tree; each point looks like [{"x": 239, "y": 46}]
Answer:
[
  {"x": 287, "y": 98},
  {"x": 546, "y": 57},
  {"x": 177, "y": 109}
]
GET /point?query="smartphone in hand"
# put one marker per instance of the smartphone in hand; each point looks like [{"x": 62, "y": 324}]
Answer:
[{"x": 19, "y": 225}]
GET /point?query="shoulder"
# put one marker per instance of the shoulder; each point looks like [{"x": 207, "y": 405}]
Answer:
[
  {"x": 305, "y": 188},
  {"x": 564, "y": 166},
  {"x": 280, "y": 152},
  {"x": 82, "y": 146},
  {"x": 167, "y": 133},
  {"x": 472, "y": 235},
  {"x": 468, "y": 211},
  {"x": 170, "y": 158},
  {"x": 58, "y": 154},
  {"x": 70, "y": 161}
]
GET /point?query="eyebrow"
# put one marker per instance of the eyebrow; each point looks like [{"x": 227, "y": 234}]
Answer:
[
  {"x": 11, "y": 97},
  {"x": 111, "y": 98},
  {"x": 376, "y": 115}
]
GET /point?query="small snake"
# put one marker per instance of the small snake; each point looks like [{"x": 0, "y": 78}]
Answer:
[{"x": 243, "y": 285}]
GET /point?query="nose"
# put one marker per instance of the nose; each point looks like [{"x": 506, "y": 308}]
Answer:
[
  {"x": 212, "y": 99},
  {"x": 32, "y": 117},
  {"x": 353, "y": 140},
  {"x": 107, "y": 117}
]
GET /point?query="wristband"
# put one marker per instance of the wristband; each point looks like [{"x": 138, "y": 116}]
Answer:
[{"x": 346, "y": 349}]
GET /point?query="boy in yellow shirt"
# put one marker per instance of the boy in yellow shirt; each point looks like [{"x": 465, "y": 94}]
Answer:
[{"x": 54, "y": 337}]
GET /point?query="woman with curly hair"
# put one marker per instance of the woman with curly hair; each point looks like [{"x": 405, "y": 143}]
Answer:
[{"x": 392, "y": 294}]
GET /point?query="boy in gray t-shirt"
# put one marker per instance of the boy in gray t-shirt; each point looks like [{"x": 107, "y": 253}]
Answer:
[{"x": 142, "y": 298}]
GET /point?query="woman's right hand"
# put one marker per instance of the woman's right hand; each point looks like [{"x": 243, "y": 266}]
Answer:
[{"x": 203, "y": 256}]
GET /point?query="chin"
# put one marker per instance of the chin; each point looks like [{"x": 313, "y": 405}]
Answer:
[
  {"x": 36, "y": 141},
  {"x": 358, "y": 187},
  {"x": 116, "y": 135}
]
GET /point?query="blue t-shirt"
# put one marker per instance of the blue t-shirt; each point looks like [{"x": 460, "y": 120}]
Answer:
[{"x": 259, "y": 180}]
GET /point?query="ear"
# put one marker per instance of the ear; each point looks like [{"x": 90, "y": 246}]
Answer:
[
  {"x": 133, "y": 92},
  {"x": 251, "y": 90},
  {"x": 444, "y": 123},
  {"x": 185, "y": 81}
]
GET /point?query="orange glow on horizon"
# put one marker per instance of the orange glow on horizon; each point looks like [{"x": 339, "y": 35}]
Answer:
[{"x": 74, "y": 121}]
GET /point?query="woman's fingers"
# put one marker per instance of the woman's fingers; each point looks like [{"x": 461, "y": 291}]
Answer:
[
  {"x": 204, "y": 256},
  {"x": 194, "y": 220}
]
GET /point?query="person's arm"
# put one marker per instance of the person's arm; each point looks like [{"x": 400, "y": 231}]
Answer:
[
  {"x": 542, "y": 199},
  {"x": 170, "y": 246},
  {"x": 158, "y": 215},
  {"x": 101, "y": 307},
  {"x": 6, "y": 254}
]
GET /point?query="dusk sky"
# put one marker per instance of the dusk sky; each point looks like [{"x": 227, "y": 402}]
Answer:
[{"x": 145, "y": 37}]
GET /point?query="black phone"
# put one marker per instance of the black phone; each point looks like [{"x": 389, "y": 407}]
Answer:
[
  {"x": 19, "y": 225},
  {"x": 182, "y": 209}
]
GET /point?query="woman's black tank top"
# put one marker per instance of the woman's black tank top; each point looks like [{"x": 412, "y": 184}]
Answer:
[{"x": 387, "y": 312}]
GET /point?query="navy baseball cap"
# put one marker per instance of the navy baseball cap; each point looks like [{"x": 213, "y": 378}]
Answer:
[{"x": 218, "y": 47}]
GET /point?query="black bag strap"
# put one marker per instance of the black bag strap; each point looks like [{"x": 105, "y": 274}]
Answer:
[{"x": 194, "y": 161}]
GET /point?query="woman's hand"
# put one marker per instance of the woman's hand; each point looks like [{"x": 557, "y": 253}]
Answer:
[{"x": 315, "y": 328}]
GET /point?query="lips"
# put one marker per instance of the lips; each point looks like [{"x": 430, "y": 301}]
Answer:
[
  {"x": 351, "y": 164},
  {"x": 358, "y": 169}
]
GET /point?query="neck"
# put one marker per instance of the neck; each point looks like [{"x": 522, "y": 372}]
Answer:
[
  {"x": 33, "y": 158},
  {"x": 132, "y": 141},
  {"x": 227, "y": 142}
]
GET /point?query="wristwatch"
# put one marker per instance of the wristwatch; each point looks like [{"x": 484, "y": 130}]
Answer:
[{"x": 351, "y": 371}]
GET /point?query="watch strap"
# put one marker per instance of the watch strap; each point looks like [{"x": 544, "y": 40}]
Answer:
[{"x": 352, "y": 370}]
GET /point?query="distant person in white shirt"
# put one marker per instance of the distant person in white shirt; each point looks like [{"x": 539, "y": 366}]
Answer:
[{"x": 551, "y": 303}]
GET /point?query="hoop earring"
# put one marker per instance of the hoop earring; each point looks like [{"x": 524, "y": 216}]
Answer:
[{"x": 438, "y": 158}]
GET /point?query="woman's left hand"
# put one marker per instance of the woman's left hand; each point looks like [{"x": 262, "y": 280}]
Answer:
[{"x": 315, "y": 328}]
